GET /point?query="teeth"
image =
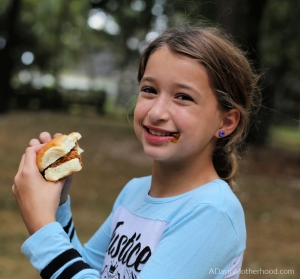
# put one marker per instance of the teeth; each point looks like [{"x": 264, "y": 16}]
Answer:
[{"x": 161, "y": 134}]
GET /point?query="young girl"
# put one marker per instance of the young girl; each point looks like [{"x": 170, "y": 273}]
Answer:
[{"x": 183, "y": 221}]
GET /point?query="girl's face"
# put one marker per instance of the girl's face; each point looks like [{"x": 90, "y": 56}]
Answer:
[{"x": 177, "y": 117}]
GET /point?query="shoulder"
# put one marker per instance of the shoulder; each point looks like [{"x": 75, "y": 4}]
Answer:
[
  {"x": 224, "y": 201},
  {"x": 228, "y": 202},
  {"x": 217, "y": 194},
  {"x": 213, "y": 209},
  {"x": 217, "y": 199}
]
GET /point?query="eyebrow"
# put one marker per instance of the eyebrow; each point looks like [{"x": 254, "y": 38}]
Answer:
[
  {"x": 179, "y": 85},
  {"x": 184, "y": 86},
  {"x": 147, "y": 79}
]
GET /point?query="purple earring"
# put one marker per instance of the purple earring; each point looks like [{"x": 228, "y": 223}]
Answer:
[{"x": 222, "y": 134}]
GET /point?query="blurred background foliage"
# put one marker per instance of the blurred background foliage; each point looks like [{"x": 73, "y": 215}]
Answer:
[
  {"x": 63, "y": 55},
  {"x": 71, "y": 65}
]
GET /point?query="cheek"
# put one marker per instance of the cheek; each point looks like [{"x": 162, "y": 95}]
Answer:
[
  {"x": 137, "y": 119},
  {"x": 200, "y": 126},
  {"x": 141, "y": 109},
  {"x": 138, "y": 111}
]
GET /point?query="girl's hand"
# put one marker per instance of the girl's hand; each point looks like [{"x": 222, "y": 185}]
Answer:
[
  {"x": 37, "y": 198},
  {"x": 44, "y": 138}
]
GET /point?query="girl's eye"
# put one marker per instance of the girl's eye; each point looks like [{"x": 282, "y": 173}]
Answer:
[
  {"x": 149, "y": 89},
  {"x": 184, "y": 97}
]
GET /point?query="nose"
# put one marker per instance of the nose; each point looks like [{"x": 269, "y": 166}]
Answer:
[{"x": 160, "y": 110}]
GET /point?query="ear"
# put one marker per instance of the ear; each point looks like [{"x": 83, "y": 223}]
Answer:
[{"x": 230, "y": 121}]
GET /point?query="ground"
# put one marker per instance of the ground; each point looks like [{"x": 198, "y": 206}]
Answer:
[{"x": 268, "y": 179}]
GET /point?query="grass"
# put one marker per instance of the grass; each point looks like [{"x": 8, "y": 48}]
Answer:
[
  {"x": 286, "y": 138},
  {"x": 269, "y": 190}
]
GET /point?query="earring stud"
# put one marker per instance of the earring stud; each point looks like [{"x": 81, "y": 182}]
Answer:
[{"x": 222, "y": 134}]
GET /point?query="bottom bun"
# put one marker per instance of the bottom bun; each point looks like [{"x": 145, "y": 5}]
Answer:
[{"x": 63, "y": 170}]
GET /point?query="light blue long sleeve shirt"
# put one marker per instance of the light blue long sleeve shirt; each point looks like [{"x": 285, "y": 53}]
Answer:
[{"x": 191, "y": 235}]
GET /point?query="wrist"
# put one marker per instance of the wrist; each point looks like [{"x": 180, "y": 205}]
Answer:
[{"x": 36, "y": 225}]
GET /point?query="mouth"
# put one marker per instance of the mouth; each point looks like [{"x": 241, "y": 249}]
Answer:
[{"x": 162, "y": 133}]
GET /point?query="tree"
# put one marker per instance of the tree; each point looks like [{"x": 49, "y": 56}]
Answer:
[
  {"x": 6, "y": 52},
  {"x": 243, "y": 20},
  {"x": 280, "y": 50},
  {"x": 60, "y": 34},
  {"x": 55, "y": 33}
]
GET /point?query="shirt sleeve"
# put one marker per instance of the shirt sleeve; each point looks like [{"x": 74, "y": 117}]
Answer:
[
  {"x": 56, "y": 252},
  {"x": 194, "y": 246},
  {"x": 64, "y": 217},
  {"x": 51, "y": 254},
  {"x": 93, "y": 252}
]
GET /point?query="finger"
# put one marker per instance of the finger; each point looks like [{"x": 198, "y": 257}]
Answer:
[
  {"x": 45, "y": 137},
  {"x": 30, "y": 155},
  {"x": 61, "y": 182},
  {"x": 60, "y": 185},
  {"x": 57, "y": 135},
  {"x": 33, "y": 142},
  {"x": 13, "y": 189},
  {"x": 36, "y": 148},
  {"x": 20, "y": 169},
  {"x": 30, "y": 171},
  {"x": 21, "y": 165}
]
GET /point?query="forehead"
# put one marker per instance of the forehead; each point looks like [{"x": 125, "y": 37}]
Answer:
[
  {"x": 166, "y": 52},
  {"x": 164, "y": 63}
]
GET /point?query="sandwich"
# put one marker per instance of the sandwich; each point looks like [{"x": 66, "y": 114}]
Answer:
[{"x": 60, "y": 157}]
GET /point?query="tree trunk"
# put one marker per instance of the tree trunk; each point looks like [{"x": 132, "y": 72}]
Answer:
[
  {"x": 6, "y": 65},
  {"x": 242, "y": 19}
]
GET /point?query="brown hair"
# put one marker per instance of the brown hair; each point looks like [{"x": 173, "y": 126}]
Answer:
[{"x": 232, "y": 78}]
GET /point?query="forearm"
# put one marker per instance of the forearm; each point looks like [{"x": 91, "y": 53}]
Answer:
[
  {"x": 64, "y": 217},
  {"x": 52, "y": 254}
]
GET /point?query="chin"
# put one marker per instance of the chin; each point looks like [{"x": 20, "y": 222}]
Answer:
[{"x": 156, "y": 155}]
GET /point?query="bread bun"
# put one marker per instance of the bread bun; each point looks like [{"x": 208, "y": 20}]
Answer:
[
  {"x": 63, "y": 170},
  {"x": 60, "y": 157}
]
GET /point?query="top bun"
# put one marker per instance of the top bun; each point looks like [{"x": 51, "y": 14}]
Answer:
[{"x": 55, "y": 149}]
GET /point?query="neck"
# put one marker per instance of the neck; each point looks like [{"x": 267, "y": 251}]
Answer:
[{"x": 170, "y": 180}]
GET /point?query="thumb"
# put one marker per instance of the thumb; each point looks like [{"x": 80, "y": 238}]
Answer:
[
  {"x": 60, "y": 183},
  {"x": 58, "y": 186}
]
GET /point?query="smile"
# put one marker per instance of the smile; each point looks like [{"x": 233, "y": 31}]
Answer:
[{"x": 162, "y": 133}]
